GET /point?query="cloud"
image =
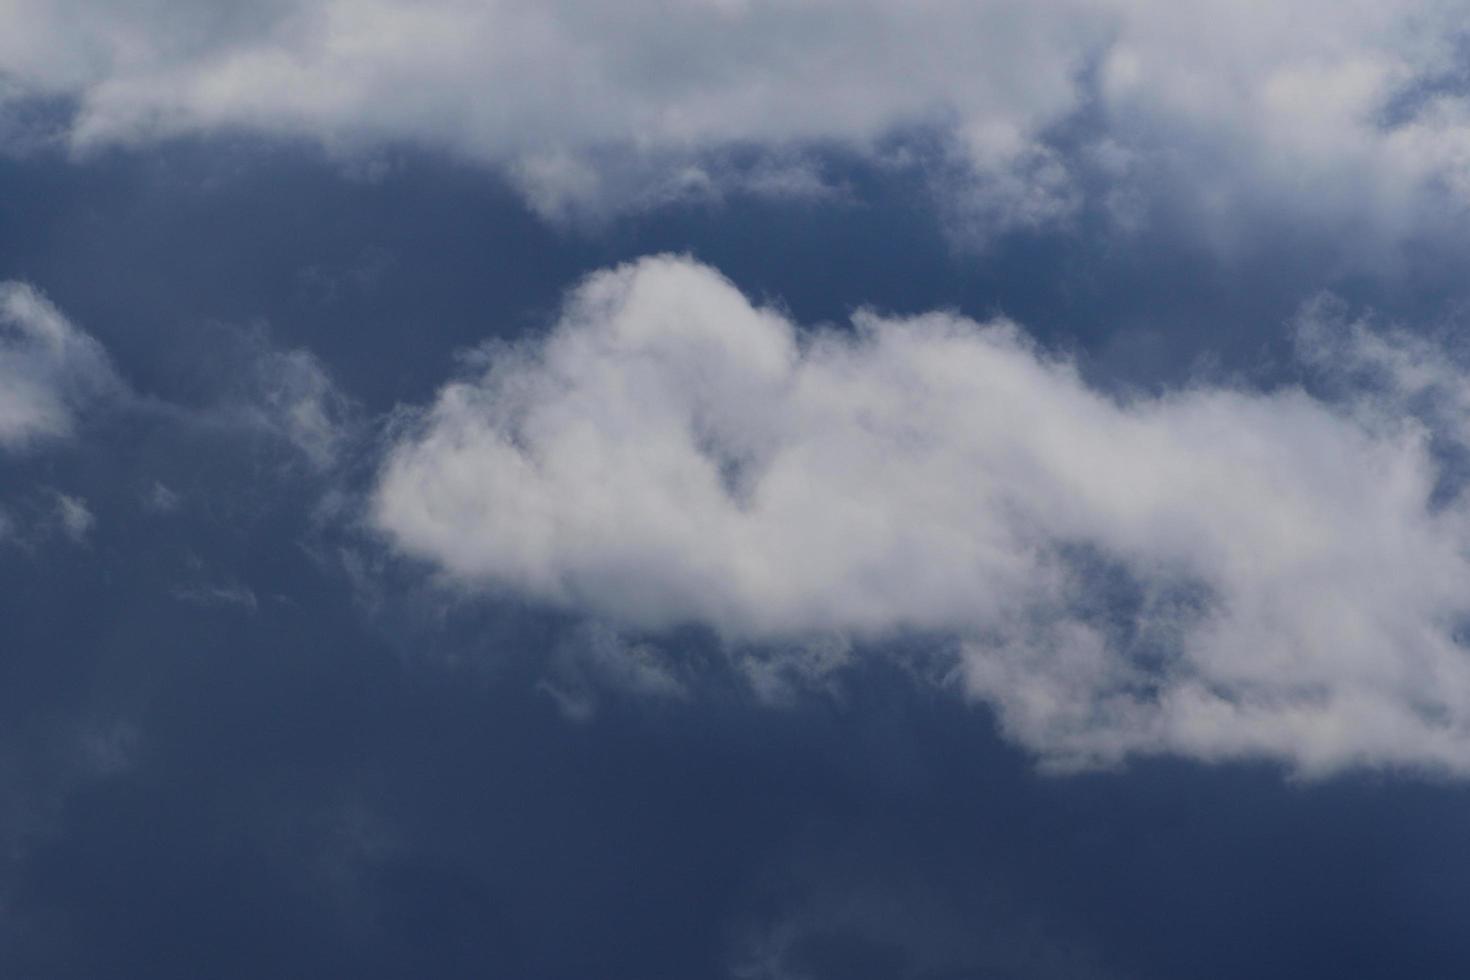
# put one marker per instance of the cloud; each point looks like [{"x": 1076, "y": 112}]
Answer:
[
  {"x": 159, "y": 499},
  {"x": 865, "y": 916},
  {"x": 1353, "y": 112},
  {"x": 286, "y": 396},
  {"x": 596, "y": 661},
  {"x": 49, "y": 369},
  {"x": 1212, "y": 571},
  {"x": 298, "y": 399},
  {"x": 217, "y": 595},
  {"x": 75, "y": 517}
]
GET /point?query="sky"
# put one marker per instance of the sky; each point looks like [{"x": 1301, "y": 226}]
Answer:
[{"x": 750, "y": 489}]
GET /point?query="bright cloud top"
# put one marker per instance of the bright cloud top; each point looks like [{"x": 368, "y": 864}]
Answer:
[
  {"x": 1213, "y": 572},
  {"x": 1339, "y": 109},
  {"x": 49, "y": 368}
]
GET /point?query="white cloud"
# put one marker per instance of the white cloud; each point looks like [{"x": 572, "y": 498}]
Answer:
[
  {"x": 49, "y": 369},
  {"x": 1331, "y": 109},
  {"x": 1213, "y": 571}
]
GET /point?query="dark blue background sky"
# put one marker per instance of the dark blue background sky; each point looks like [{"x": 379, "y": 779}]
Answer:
[{"x": 360, "y": 777}]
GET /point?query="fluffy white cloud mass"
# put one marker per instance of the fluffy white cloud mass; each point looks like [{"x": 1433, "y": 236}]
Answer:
[
  {"x": 48, "y": 368},
  {"x": 1214, "y": 571},
  {"x": 1353, "y": 108}
]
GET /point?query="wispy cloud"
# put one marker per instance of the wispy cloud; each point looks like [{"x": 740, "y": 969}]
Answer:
[
  {"x": 230, "y": 594},
  {"x": 74, "y": 516},
  {"x": 49, "y": 369}
]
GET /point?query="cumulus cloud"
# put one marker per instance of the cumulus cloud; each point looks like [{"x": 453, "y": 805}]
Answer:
[
  {"x": 1212, "y": 571},
  {"x": 1330, "y": 108},
  {"x": 49, "y": 369}
]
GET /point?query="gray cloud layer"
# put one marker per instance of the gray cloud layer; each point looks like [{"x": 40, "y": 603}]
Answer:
[
  {"x": 1213, "y": 571},
  {"x": 1350, "y": 111}
]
